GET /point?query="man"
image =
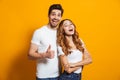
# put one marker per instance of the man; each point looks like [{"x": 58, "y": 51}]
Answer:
[{"x": 43, "y": 46}]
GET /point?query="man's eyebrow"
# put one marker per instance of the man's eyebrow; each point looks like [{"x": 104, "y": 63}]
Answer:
[{"x": 52, "y": 12}]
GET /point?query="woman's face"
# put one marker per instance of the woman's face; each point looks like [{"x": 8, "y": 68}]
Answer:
[{"x": 68, "y": 27}]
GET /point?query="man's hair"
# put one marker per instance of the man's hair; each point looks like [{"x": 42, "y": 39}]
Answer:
[{"x": 56, "y": 6}]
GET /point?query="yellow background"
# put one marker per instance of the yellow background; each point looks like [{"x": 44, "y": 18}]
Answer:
[{"x": 98, "y": 24}]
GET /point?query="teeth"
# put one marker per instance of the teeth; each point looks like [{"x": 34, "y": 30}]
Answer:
[
  {"x": 71, "y": 30},
  {"x": 54, "y": 20}
]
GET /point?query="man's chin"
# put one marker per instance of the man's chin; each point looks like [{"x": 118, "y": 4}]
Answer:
[{"x": 53, "y": 26}]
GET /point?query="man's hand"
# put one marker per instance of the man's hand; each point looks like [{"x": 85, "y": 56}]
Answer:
[{"x": 49, "y": 53}]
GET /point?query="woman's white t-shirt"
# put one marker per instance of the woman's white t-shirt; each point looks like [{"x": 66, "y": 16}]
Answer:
[{"x": 73, "y": 57}]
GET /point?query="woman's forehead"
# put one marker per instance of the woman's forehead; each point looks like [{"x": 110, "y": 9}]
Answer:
[{"x": 66, "y": 22}]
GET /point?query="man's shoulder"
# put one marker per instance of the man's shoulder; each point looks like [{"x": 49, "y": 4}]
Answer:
[{"x": 41, "y": 29}]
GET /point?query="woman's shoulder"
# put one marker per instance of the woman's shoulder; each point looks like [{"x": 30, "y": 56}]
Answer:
[{"x": 81, "y": 40}]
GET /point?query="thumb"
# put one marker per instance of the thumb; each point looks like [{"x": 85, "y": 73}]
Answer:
[{"x": 49, "y": 48}]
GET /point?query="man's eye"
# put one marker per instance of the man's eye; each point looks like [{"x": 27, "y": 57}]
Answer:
[
  {"x": 52, "y": 14},
  {"x": 59, "y": 15}
]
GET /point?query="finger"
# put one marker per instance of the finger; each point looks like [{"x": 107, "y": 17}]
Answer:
[
  {"x": 52, "y": 54},
  {"x": 66, "y": 68},
  {"x": 49, "y": 47},
  {"x": 72, "y": 65}
]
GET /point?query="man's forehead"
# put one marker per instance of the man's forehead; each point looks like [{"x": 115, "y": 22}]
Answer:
[{"x": 56, "y": 10}]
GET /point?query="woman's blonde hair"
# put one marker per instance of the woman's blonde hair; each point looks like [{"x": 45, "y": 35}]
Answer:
[{"x": 63, "y": 42}]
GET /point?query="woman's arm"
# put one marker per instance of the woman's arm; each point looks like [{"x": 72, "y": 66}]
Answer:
[
  {"x": 66, "y": 64},
  {"x": 72, "y": 69},
  {"x": 87, "y": 59},
  {"x": 64, "y": 61}
]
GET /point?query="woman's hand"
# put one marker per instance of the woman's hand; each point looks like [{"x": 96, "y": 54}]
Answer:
[{"x": 66, "y": 67}]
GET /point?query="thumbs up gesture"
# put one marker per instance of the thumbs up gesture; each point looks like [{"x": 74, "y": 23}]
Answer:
[{"x": 49, "y": 53}]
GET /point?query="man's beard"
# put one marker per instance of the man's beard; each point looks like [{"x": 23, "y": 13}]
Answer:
[{"x": 53, "y": 26}]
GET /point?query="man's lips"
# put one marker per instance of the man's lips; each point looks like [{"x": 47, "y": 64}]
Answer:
[{"x": 55, "y": 20}]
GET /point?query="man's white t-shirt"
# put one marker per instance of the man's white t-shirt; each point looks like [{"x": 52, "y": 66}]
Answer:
[
  {"x": 43, "y": 37},
  {"x": 73, "y": 57}
]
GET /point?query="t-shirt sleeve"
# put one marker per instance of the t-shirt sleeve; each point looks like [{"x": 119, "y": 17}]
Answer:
[
  {"x": 36, "y": 38},
  {"x": 83, "y": 45},
  {"x": 60, "y": 51}
]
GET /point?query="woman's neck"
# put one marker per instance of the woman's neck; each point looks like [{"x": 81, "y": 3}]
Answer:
[
  {"x": 69, "y": 38},
  {"x": 71, "y": 43}
]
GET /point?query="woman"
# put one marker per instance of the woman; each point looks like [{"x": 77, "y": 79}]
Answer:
[{"x": 72, "y": 52}]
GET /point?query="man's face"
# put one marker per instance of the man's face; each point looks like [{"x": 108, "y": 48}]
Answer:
[{"x": 54, "y": 18}]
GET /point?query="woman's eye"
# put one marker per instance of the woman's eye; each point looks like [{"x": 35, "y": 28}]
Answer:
[{"x": 66, "y": 25}]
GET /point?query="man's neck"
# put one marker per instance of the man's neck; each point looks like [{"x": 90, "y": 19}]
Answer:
[{"x": 49, "y": 26}]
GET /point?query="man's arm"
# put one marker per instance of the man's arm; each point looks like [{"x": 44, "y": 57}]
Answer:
[{"x": 33, "y": 53}]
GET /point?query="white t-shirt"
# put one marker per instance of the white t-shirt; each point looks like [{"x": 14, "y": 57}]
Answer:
[
  {"x": 75, "y": 56},
  {"x": 43, "y": 37}
]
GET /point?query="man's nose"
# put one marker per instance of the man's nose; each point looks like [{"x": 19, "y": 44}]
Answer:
[{"x": 56, "y": 17}]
